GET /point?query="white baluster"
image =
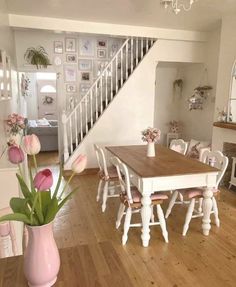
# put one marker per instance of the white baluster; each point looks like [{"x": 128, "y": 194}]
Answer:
[
  {"x": 127, "y": 60},
  {"x": 106, "y": 87},
  {"x": 71, "y": 136},
  {"x": 91, "y": 107},
  {"x": 81, "y": 121},
  {"x": 100, "y": 87},
  {"x": 65, "y": 138},
  {"x": 132, "y": 54},
  {"x": 76, "y": 128},
  {"x": 96, "y": 100},
  {"x": 86, "y": 115},
  {"x": 111, "y": 80},
  {"x": 121, "y": 68},
  {"x": 141, "y": 48},
  {"x": 116, "y": 73},
  {"x": 146, "y": 45},
  {"x": 136, "y": 46}
]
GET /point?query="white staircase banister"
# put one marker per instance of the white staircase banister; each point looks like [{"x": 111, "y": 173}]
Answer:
[{"x": 98, "y": 79}]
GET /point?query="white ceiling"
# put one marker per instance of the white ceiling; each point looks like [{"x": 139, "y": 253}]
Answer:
[{"x": 205, "y": 15}]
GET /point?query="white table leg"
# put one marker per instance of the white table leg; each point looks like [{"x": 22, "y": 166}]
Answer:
[
  {"x": 146, "y": 212},
  {"x": 207, "y": 207}
]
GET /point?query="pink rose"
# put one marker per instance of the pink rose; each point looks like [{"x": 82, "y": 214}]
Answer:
[
  {"x": 31, "y": 144},
  {"x": 79, "y": 164},
  {"x": 43, "y": 180},
  {"x": 15, "y": 155}
]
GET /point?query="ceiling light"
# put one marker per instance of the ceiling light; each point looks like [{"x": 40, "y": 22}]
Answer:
[{"x": 177, "y": 5}]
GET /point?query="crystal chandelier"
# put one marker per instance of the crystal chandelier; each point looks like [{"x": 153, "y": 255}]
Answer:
[{"x": 177, "y": 5}]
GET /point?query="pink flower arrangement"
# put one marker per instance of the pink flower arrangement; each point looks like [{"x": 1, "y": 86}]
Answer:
[
  {"x": 39, "y": 204},
  {"x": 15, "y": 123},
  {"x": 151, "y": 135}
]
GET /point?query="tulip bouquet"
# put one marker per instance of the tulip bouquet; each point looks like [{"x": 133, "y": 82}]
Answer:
[
  {"x": 15, "y": 123},
  {"x": 39, "y": 204}
]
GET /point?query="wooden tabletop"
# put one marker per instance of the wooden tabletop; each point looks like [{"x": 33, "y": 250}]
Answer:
[{"x": 165, "y": 163}]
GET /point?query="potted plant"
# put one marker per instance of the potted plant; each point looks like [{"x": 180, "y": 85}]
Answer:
[
  {"x": 37, "y": 210},
  {"x": 37, "y": 56}
]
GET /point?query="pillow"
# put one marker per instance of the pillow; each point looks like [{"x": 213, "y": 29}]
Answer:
[{"x": 195, "y": 147}]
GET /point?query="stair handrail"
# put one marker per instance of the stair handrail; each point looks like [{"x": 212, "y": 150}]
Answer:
[{"x": 98, "y": 79}]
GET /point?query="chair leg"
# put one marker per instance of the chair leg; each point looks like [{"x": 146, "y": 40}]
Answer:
[
  {"x": 126, "y": 225},
  {"x": 152, "y": 215},
  {"x": 99, "y": 190},
  {"x": 120, "y": 214},
  {"x": 105, "y": 194},
  {"x": 188, "y": 216},
  {"x": 181, "y": 198},
  {"x": 162, "y": 221},
  {"x": 215, "y": 210},
  {"x": 171, "y": 203},
  {"x": 200, "y": 205}
]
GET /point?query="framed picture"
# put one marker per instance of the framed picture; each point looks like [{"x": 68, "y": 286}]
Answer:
[
  {"x": 70, "y": 73},
  {"x": 70, "y": 45},
  {"x": 102, "y": 53},
  {"x": 102, "y": 43},
  {"x": 71, "y": 88},
  {"x": 71, "y": 58},
  {"x": 100, "y": 67},
  {"x": 85, "y": 77},
  {"x": 86, "y": 47},
  {"x": 84, "y": 88},
  {"x": 58, "y": 47},
  {"x": 113, "y": 47},
  {"x": 85, "y": 65}
]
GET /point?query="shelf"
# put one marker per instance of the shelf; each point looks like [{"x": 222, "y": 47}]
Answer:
[{"x": 230, "y": 126}]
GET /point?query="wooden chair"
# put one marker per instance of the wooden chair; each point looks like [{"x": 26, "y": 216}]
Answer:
[
  {"x": 194, "y": 195},
  {"x": 8, "y": 244},
  {"x": 131, "y": 202},
  {"x": 108, "y": 177}
]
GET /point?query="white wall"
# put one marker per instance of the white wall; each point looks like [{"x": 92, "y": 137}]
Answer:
[
  {"x": 226, "y": 59},
  {"x": 133, "y": 108}
]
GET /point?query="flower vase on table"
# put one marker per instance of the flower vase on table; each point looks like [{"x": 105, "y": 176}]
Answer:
[
  {"x": 151, "y": 136},
  {"x": 37, "y": 210}
]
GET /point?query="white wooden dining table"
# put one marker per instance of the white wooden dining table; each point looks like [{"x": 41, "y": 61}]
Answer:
[{"x": 168, "y": 170}]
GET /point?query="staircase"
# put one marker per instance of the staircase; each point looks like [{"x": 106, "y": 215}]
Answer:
[{"x": 78, "y": 122}]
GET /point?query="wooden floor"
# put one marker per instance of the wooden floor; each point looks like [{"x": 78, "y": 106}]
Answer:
[{"x": 102, "y": 261}]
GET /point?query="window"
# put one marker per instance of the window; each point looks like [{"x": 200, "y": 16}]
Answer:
[{"x": 48, "y": 89}]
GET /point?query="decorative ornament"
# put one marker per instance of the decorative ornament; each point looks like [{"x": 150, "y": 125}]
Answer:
[
  {"x": 25, "y": 81},
  {"x": 174, "y": 126},
  {"x": 48, "y": 100},
  {"x": 177, "y": 5}
]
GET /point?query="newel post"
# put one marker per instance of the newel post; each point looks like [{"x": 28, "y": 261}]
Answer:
[{"x": 65, "y": 138}]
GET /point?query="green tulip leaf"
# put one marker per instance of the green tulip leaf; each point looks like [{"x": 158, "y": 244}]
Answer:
[
  {"x": 45, "y": 200},
  {"x": 58, "y": 183},
  {"x": 24, "y": 188},
  {"x": 20, "y": 205},
  {"x": 16, "y": 217},
  {"x": 67, "y": 198},
  {"x": 52, "y": 210}
]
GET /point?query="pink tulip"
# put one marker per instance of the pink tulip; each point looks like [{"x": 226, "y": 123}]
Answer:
[
  {"x": 31, "y": 144},
  {"x": 15, "y": 154},
  {"x": 43, "y": 180},
  {"x": 79, "y": 164}
]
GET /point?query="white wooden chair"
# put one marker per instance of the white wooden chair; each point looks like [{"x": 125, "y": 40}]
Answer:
[
  {"x": 108, "y": 178},
  {"x": 179, "y": 146},
  {"x": 131, "y": 202},
  {"x": 8, "y": 244},
  {"x": 194, "y": 195}
]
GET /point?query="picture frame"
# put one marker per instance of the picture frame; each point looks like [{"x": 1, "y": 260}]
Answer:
[
  {"x": 84, "y": 88},
  {"x": 101, "y": 53},
  {"x": 102, "y": 43},
  {"x": 70, "y": 74},
  {"x": 71, "y": 58},
  {"x": 71, "y": 88},
  {"x": 86, "y": 47},
  {"x": 85, "y": 76},
  {"x": 100, "y": 66},
  {"x": 113, "y": 47},
  {"x": 85, "y": 65},
  {"x": 70, "y": 45},
  {"x": 58, "y": 47}
]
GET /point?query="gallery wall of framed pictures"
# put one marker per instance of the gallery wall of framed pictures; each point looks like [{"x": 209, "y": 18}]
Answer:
[{"x": 82, "y": 59}]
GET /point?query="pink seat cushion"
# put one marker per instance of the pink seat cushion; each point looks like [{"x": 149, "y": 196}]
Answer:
[
  {"x": 136, "y": 195},
  {"x": 4, "y": 229},
  {"x": 112, "y": 172},
  {"x": 195, "y": 192}
]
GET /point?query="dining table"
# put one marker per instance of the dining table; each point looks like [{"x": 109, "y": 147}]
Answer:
[{"x": 167, "y": 170}]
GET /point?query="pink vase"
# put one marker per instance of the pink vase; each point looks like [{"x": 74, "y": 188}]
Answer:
[{"x": 41, "y": 258}]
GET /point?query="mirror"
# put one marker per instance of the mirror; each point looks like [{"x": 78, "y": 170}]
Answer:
[
  {"x": 5, "y": 76},
  {"x": 232, "y": 97}
]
